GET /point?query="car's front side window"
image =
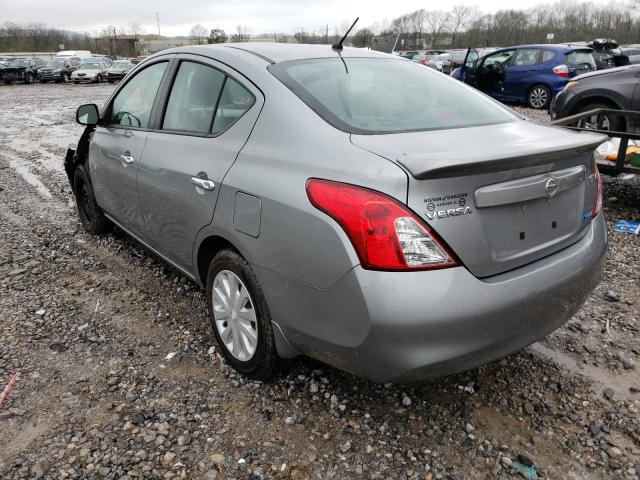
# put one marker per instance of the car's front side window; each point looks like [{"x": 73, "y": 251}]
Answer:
[
  {"x": 132, "y": 105},
  {"x": 193, "y": 99}
]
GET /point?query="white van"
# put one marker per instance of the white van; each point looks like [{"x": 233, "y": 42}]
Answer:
[{"x": 74, "y": 53}]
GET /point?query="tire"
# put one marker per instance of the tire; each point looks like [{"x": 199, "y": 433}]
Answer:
[
  {"x": 264, "y": 362},
  {"x": 65, "y": 78},
  {"x": 91, "y": 215},
  {"x": 602, "y": 122},
  {"x": 44, "y": 81},
  {"x": 7, "y": 82},
  {"x": 99, "y": 78},
  {"x": 112, "y": 81},
  {"x": 539, "y": 97},
  {"x": 28, "y": 79},
  {"x": 76, "y": 83}
]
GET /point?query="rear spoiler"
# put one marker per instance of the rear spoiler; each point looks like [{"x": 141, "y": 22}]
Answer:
[{"x": 429, "y": 166}]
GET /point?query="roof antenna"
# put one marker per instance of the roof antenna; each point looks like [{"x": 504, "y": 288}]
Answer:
[{"x": 338, "y": 46}]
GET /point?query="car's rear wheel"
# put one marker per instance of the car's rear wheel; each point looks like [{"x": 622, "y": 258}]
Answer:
[
  {"x": 240, "y": 317},
  {"x": 28, "y": 78},
  {"x": 99, "y": 78},
  {"x": 91, "y": 215},
  {"x": 539, "y": 97},
  {"x": 65, "y": 78},
  {"x": 602, "y": 121}
]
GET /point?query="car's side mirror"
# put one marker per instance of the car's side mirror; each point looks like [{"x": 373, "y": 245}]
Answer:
[{"x": 87, "y": 114}]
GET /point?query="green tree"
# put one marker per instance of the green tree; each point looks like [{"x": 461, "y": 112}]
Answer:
[{"x": 217, "y": 35}]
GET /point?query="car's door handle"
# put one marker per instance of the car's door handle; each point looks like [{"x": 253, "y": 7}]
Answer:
[
  {"x": 128, "y": 159},
  {"x": 203, "y": 183}
]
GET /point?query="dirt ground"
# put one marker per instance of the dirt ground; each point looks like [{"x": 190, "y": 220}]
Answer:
[{"x": 117, "y": 377}]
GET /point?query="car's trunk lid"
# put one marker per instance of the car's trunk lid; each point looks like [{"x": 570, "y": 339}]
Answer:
[{"x": 501, "y": 196}]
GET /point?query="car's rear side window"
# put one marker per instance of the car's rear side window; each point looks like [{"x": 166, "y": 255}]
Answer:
[
  {"x": 526, "y": 57},
  {"x": 132, "y": 105},
  {"x": 379, "y": 95},
  {"x": 548, "y": 55},
  {"x": 193, "y": 99},
  {"x": 234, "y": 101}
]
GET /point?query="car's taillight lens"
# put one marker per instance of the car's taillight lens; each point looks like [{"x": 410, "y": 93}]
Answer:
[
  {"x": 561, "y": 71},
  {"x": 598, "y": 205},
  {"x": 385, "y": 234}
]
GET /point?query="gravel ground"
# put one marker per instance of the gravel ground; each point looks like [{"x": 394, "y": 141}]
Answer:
[{"x": 118, "y": 377}]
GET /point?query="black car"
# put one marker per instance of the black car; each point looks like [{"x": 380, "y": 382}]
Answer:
[
  {"x": 22, "y": 70},
  {"x": 57, "y": 70},
  {"x": 615, "y": 88},
  {"x": 118, "y": 70}
]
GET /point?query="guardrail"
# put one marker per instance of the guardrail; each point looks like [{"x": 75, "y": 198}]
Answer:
[{"x": 630, "y": 117}]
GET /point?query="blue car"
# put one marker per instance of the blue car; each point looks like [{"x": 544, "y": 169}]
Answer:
[{"x": 531, "y": 74}]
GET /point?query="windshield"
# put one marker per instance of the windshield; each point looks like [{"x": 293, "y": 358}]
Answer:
[
  {"x": 580, "y": 59},
  {"x": 367, "y": 95},
  {"x": 19, "y": 63},
  {"x": 90, "y": 66},
  {"x": 55, "y": 64},
  {"x": 122, "y": 64}
]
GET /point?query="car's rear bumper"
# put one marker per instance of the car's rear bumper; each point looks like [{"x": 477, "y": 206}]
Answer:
[{"x": 408, "y": 326}]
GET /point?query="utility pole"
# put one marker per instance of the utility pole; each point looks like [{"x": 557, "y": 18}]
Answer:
[
  {"x": 158, "y": 21},
  {"x": 326, "y": 35}
]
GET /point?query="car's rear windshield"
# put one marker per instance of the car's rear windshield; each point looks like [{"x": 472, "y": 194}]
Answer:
[
  {"x": 580, "y": 59},
  {"x": 19, "y": 63},
  {"x": 55, "y": 63},
  {"x": 377, "y": 95}
]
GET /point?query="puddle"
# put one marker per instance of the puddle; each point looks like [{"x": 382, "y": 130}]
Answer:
[{"x": 601, "y": 376}]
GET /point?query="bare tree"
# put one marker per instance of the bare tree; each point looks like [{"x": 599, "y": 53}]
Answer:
[
  {"x": 437, "y": 22},
  {"x": 460, "y": 17},
  {"x": 199, "y": 32},
  {"x": 136, "y": 29}
]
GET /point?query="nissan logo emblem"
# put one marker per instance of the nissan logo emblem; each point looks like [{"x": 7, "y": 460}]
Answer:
[{"x": 550, "y": 187}]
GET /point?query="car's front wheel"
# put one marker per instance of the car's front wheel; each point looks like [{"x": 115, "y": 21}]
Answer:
[
  {"x": 65, "y": 78},
  {"x": 28, "y": 78},
  {"x": 539, "y": 97},
  {"x": 602, "y": 121},
  {"x": 99, "y": 79},
  {"x": 240, "y": 316},
  {"x": 91, "y": 215}
]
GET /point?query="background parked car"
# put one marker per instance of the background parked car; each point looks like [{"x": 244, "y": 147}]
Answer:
[
  {"x": 90, "y": 71},
  {"x": 118, "y": 70},
  {"x": 632, "y": 53},
  {"x": 58, "y": 70},
  {"x": 22, "y": 70},
  {"x": 613, "y": 88},
  {"x": 531, "y": 74}
]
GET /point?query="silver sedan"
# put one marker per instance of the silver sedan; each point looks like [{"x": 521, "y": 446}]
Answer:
[
  {"x": 346, "y": 205},
  {"x": 90, "y": 72}
]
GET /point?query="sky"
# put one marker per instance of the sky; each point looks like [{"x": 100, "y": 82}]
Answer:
[{"x": 178, "y": 16}]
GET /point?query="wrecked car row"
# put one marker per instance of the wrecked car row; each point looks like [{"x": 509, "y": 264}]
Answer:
[{"x": 63, "y": 70}]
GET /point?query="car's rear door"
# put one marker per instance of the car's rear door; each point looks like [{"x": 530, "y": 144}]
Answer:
[
  {"x": 117, "y": 146},
  {"x": 209, "y": 111},
  {"x": 521, "y": 73}
]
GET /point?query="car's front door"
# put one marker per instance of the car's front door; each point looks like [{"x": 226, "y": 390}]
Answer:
[
  {"x": 209, "y": 113},
  {"x": 520, "y": 73},
  {"x": 117, "y": 145},
  {"x": 489, "y": 75}
]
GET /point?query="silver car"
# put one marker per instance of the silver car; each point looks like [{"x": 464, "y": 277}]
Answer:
[
  {"x": 90, "y": 71},
  {"x": 346, "y": 205}
]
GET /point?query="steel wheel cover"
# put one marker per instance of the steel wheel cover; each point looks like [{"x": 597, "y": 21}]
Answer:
[
  {"x": 538, "y": 97},
  {"x": 235, "y": 315}
]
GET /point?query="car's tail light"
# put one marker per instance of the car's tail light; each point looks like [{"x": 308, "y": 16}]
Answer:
[
  {"x": 385, "y": 234},
  {"x": 561, "y": 71},
  {"x": 599, "y": 202}
]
